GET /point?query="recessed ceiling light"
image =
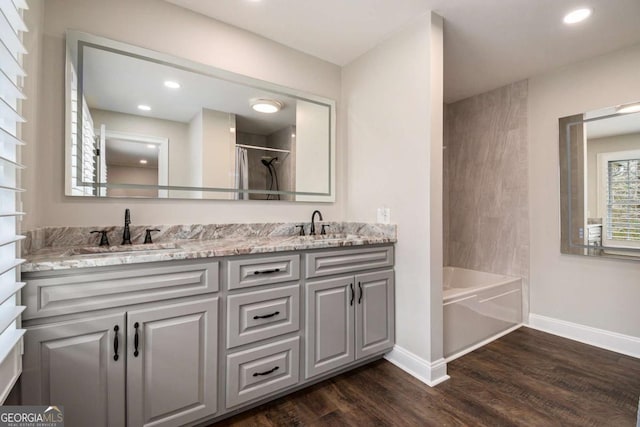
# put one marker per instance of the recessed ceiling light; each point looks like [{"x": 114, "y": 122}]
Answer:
[
  {"x": 577, "y": 15},
  {"x": 629, "y": 108},
  {"x": 144, "y": 107},
  {"x": 232, "y": 130},
  {"x": 293, "y": 135},
  {"x": 143, "y": 162},
  {"x": 172, "y": 85},
  {"x": 268, "y": 106}
]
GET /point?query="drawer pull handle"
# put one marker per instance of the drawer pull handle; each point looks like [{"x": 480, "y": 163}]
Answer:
[
  {"x": 115, "y": 343},
  {"x": 352, "y": 294},
  {"x": 275, "y": 270},
  {"x": 266, "y": 316},
  {"x": 136, "y": 340},
  {"x": 270, "y": 371},
  {"x": 360, "y": 296}
]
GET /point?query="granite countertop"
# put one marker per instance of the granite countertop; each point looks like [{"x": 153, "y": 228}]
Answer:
[{"x": 58, "y": 254}]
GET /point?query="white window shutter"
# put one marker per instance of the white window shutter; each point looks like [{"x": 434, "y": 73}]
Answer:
[{"x": 11, "y": 79}]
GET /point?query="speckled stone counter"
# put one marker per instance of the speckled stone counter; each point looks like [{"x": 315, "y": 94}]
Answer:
[{"x": 57, "y": 248}]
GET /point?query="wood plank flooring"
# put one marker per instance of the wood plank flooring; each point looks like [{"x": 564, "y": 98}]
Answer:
[{"x": 527, "y": 378}]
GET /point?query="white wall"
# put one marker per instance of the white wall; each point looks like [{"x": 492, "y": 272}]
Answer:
[
  {"x": 118, "y": 174},
  {"x": 392, "y": 98},
  {"x": 164, "y": 27},
  {"x": 312, "y": 158},
  {"x": 218, "y": 152},
  {"x": 593, "y": 292}
]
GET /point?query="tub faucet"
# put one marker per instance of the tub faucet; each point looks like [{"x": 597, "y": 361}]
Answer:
[
  {"x": 312, "y": 230},
  {"x": 126, "y": 234}
]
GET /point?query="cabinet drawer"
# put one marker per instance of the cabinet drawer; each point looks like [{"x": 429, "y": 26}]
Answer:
[
  {"x": 91, "y": 291},
  {"x": 347, "y": 261},
  {"x": 262, "y": 370},
  {"x": 257, "y": 315},
  {"x": 265, "y": 270}
]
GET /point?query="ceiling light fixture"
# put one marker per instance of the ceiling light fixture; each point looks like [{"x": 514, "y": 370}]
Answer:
[
  {"x": 143, "y": 162},
  {"x": 577, "y": 15},
  {"x": 629, "y": 108},
  {"x": 144, "y": 107},
  {"x": 172, "y": 85},
  {"x": 268, "y": 106},
  {"x": 151, "y": 146}
]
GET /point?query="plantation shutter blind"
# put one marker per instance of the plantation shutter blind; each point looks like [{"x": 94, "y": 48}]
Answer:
[{"x": 11, "y": 78}]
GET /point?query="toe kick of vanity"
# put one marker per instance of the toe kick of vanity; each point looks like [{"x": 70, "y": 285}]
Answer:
[{"x": 187, "y": 342}]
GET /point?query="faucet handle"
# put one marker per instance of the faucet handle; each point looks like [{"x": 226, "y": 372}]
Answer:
[
  {"x": 147, "y": 236},
  {"x": 323, "y": 231},
  {"x": 104, "y": 240},
  {"x": 301, "y": 227}
]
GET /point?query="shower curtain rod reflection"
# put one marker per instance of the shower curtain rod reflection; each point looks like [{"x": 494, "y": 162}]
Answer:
[{"x": 257, "y": 147}]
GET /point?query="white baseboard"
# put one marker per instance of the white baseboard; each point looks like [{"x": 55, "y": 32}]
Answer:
[
  {"x": 430, "y": 373},
  {"x": 625, "y": 344}
]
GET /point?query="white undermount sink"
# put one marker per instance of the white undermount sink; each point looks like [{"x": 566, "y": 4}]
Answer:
[{"x": 121, "y": 249}]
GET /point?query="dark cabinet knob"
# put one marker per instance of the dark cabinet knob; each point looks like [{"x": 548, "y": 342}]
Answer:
[
  {"x": 136, "y": 340},
  {"x": 116, "y": 356}
]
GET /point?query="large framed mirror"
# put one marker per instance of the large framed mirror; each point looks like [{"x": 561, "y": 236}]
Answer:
[
  {"x": 141, "y": 123},
  {"x": 600, "y": 182}
]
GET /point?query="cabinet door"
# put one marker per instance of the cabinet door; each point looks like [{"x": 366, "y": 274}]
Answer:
[
  {"x": 329, "y": 324},
  {"x": 171, "y": 379},
  {"x": 73, "y": 364},
  {"x": 375, "y": 308}
]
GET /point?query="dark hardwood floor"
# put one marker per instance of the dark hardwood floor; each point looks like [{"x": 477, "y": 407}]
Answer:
[{"x": 527, "y": 378}]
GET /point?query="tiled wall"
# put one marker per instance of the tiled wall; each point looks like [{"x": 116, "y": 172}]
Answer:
[{"x": 486, "y": 182}]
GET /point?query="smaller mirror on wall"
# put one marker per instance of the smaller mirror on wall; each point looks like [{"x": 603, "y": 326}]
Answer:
[
  {"x": 145, "y": 124},
  {"x": 600, "y": 182}
]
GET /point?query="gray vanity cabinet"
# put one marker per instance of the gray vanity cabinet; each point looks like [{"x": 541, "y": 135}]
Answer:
[
  {"x": 171, "y": 364},
  {"x": 375, "y": 313},
  {"x": 348, "y": 318},
  {"x": 130, "y": 345},
  {"x": 263, "y": 327},
  {"x": 74, "y": 364},
  {"x": 330, "y": 327},
  {"x": 170, "y": 374},
  {"x": 178, "y": 343}
]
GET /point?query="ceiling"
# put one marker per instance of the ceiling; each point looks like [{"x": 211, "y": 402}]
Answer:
[
  {"x": 612, "y": 126},
  {"x": 487, "y": 43},
  {"x": 123, "y": 152}
]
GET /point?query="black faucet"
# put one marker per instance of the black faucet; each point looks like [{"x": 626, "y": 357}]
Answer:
[
  {"x": 126, "y": 234},
  {"x": 104, "y": 240},
  {"x": 147, "y": 236},
  {"x": 312, "y": 230}
]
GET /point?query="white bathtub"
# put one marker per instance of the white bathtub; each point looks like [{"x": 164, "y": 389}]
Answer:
[{"x": 479, "y": 307}]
